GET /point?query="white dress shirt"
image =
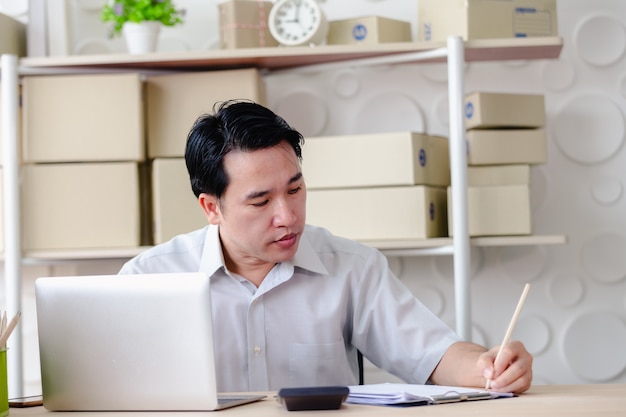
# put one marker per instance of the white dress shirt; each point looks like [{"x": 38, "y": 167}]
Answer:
[{"x": 304, "y": 323}]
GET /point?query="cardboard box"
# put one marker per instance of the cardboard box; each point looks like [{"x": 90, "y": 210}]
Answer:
[
  {"x": 368, "y": 30},
  {"x": 486, "y": 19},
  {"x": 499, "y": 147},
  {"x": 175, "y": 208},
  {"x": 372, "y": 160},
  {"x": 493, "y": 110},
  {"x": 12, "y": 36},
  {"x": 382, "y": 213},
  {"x": 175, "y": 101},
  {"x": 496, "y": 211},
  {"x": 243, "y": 24},
  {"x": 83, "y": 118},
  {"x": 81, "y": 206},
  {"x": 478, "y": 176}
]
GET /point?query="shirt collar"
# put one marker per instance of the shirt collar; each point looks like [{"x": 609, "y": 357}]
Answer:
[
  {"x": 307, "y": 258},
  {"x": 213, "y": 257}
]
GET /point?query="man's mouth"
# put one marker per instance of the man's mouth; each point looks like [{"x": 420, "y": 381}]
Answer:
[{"x": 287, "y": 240}]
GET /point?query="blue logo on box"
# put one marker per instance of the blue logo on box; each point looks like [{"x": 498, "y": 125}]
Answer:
[
  {"x": 431, "y": 211},
  {"x": 422, "y": 156},
  {"x": 359, "y": 32},
  {"x": 469, "y": 110},
  {"x": 428, "y": 32}
]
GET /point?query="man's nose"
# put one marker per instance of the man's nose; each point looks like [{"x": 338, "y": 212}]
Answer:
[{"x": 284, "y": 214}]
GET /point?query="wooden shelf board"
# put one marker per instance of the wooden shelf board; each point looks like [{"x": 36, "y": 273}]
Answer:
[{"x": 289, "y": 57}]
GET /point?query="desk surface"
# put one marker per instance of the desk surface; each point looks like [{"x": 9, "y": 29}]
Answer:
[{"x": 542, "y": 400}]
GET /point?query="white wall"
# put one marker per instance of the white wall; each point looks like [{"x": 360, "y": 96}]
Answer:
[{"x": 574, "y": 320}]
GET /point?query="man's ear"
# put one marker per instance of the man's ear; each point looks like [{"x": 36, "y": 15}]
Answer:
[{"x": 210, "y": 207}]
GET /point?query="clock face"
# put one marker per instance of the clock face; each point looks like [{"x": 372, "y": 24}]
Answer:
[{"x": 297, "y": 22}]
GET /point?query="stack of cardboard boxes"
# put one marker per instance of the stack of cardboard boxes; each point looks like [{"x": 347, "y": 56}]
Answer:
[
  {"x": 505, "y": 136},
  {"x": 373, "y": 187},
  {"x": 82, "y": 152},
  {"x": 93, "y": 178},
  {"x": 174, "y": 102}
]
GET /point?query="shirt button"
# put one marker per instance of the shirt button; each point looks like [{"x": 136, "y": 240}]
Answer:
[{"x": 257, "y": 350}]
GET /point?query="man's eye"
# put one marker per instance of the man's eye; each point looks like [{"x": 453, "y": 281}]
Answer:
[
  {"x": 261, "y": 204},
  {"x": 295, "y": 190}
]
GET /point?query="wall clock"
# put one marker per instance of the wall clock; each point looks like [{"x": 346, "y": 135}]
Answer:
[{"x": 298, "y": 22}]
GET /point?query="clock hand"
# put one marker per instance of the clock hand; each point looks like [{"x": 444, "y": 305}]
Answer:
[{"x": 297, "y": 13}]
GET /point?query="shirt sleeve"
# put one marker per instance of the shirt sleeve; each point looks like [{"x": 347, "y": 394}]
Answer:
[
  {"x": 180, "y": 254},
  {"x": 393, "y": 329},
  {"x": 130, "y": 267}
]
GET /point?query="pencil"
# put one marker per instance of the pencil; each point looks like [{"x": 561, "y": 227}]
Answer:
[
  {"x": 509, "y": 331},
  {"x": 7, "y": 332},
  {"x": 3, "y": 323}
]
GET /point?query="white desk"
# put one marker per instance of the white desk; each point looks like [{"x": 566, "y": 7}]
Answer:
[{"x": 544, "y": 400}]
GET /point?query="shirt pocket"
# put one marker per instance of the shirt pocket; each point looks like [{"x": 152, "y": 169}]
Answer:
[{"x": 319, "y": 364}]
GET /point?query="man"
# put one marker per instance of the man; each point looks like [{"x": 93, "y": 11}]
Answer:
[{"x": 292, "y": 303}]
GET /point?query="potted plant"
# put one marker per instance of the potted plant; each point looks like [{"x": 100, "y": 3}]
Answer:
[{"x": 133, "y": 16}]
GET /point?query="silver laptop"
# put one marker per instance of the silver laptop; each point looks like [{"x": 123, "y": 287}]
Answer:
[{"x": 128, "y": 342}]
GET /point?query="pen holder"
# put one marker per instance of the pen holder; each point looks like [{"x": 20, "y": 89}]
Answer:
[{"x": 4, "y": 384}]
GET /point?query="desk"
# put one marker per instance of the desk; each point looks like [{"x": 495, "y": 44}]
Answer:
[{"x": 542, "y": 400}]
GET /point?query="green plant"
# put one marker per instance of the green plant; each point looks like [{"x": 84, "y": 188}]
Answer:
[{"x": 122, "y": 11}]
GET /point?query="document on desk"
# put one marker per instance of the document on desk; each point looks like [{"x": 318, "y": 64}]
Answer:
[{"x": 413, "y": 395}]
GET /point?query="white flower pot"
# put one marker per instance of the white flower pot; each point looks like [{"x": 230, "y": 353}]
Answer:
[{"x": 141, "y": 37}]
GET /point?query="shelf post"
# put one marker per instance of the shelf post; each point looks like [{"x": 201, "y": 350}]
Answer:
[
  {"x": 11, "y": 199},
  {"x": 458, "y": 177}
]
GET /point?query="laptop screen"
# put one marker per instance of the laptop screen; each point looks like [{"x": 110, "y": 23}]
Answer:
[{"x": 126, "y": 342}]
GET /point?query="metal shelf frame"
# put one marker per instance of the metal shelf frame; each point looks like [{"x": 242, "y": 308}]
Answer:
[
  {"x": 12, "y": 218},
  {"x": 280, "y": 59}
]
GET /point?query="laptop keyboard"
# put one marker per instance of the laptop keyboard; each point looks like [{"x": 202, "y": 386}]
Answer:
[{"x": 231, "y": 398}]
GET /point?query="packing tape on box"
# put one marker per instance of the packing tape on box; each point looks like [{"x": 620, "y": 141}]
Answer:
[{"x": 260, "y": 27}]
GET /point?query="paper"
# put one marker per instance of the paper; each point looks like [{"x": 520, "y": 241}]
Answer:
[{"x": 412, "y": 394}]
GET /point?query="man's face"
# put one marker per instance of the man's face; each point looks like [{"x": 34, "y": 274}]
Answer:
[{"x": 262, "y": 212}]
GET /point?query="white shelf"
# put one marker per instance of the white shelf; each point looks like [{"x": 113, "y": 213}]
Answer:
[
  {"x": 435, "y": 246},
  {"x": 290, "y": 57},
  {"x": 444, "y": 245},
  {"x": 474, "y": 241},
  {"x": 53, "y": 256}
]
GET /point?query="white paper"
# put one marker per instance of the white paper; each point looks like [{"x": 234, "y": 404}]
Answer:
[{"x": 399, "y": 394}]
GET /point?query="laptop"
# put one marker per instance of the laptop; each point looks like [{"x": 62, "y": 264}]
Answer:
[{"x": 128, "y": 343}]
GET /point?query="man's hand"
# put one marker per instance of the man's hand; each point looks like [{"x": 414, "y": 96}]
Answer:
[
  {"x": 513, "y": 372},
  {"x": 470, "y": 365}
]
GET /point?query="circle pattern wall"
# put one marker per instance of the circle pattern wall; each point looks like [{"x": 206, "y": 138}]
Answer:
[{"x": 578, "y": 289}]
